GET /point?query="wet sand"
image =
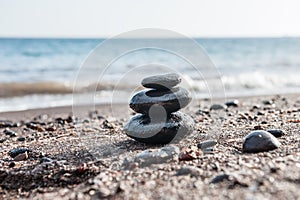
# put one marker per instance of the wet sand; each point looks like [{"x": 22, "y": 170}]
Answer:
[{"x": 89, "y": 156}]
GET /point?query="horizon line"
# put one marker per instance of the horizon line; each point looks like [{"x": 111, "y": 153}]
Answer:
[{"x": 163, "y": 37}]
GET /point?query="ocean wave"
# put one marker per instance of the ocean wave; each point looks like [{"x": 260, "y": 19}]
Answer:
[
  {"x": 46, "y": 88},
  {"x": 231, "y": 82},
  {"x": 22, "y": 89}
]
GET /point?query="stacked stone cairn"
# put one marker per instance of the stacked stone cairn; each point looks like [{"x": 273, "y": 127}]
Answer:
[{"x": 159, "y": 120}]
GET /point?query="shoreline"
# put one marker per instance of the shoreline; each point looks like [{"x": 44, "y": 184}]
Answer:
[{"x": 83, "y": 110}]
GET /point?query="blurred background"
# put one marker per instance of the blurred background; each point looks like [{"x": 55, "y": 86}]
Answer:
[{"x": 254, "y": 44}]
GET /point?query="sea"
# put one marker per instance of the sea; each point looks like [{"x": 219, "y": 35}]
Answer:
[{"x": 42, "y": 73}]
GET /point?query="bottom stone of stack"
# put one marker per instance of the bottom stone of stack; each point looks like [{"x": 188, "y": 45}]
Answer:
[{"x": 173, "y": 129}]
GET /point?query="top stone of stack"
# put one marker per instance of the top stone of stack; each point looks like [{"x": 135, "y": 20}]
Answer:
[{"x": 162, "y": 82}]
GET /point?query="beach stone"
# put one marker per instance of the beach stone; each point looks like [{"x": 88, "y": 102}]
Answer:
[
  {"x": 10, "y": 132},
  {"x": 260, "y": 141},
  {"x": 207, "y": 144},
  {"x": 233, "y": 103},
  {"x": 162, "y": 82},
  {"x": 171, "y": 100},
  {"x": 6, "y": 124},
  {"x": 21, "y": 139},
  {"x": 218, "y": 107},
  {"x": 219, "y": 178},
  {"x": 268, "y": 102},
  {"x": 276, "y": 132},
  {"x": 16, "y": 151},
  {"x": 11, "y": 164},
  {"x": 21, "y": 157},
  {"x": 157, "y": 156},
  {"x": 177, "y": 126},
  {"x": 188, "y": 170}
]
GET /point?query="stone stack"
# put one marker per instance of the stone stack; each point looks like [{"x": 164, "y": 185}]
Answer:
[{"x": 160, "y": 121}]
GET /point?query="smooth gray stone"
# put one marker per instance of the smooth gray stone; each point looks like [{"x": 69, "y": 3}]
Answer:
[
  {"x": 176, "y": 127},
  {"x": 218, "y": 107},
  {"x": 157, "y": 156},
  {"x": 166, "y": 81},
  {"x": 171, "y": 100},
  {"x": 207, "y": 144},
  {"x": 260, "y": 141},
  {"x": 188, "y": 170}
]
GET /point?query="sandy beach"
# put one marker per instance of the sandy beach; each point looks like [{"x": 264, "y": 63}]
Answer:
[{"x": 89, "y": 156}]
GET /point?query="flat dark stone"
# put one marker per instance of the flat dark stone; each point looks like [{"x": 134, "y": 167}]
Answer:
[
  {"x": 276, "y": 132},
  {"x": 233, "y": 103},
  {"x": 219, "y": 178},
  {"x": 171, "y": 100},
  {"x": 10, "y": 133},
  {"x": 166, "y": 81},
  {"x": 15, "y": 152},
  {"x": 260, "y": 141},
  {"x": 21, "y": 139},
  {"x": 177, "y": 126}
]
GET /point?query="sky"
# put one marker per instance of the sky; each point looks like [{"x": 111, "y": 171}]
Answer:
[{"x": 194, "y": 18}]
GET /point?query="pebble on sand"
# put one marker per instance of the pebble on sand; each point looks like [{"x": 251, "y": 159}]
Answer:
[
  {"x": 218, "y": 107},
  {"x": 260, "y": 141},
  {"x": 163, "y": 155},
  {"x": 207, "y": 144},
  {"x": 276, "y": 132},
  {"x": 233, "y": 103},
  {"x": 20, "y": 157},
  {"x": 16, "y": 151}
]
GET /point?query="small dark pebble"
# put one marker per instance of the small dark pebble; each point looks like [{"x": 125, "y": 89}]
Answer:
[
  {"x": 12, "y": 164},
  {"x": 108, "y": 125},
  {"x": 268, "y": 102},
  {"x": 16, "y": 151},
  {"x": 52, "y": 128},
  {"x": 219, "y": 178},
  {"x": 42, "y": 154},
  {"x": 2, "y": 140},
  {"x": 257, "y": 106},
  {"x": 260, "y": 113},
  {"x": 276, "y": 132},
  {"x": 70, "y": 119},
  {"x": 100, "y": 117},
  {"x": 204, "y": 111},
  {"x": 10, "y": 132},
  {"x": 273, "y": 169},
  {"x": 21, "y": 139},
  {"x": 31, "y": 125},
  {"x": 233, "y": 103}
]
